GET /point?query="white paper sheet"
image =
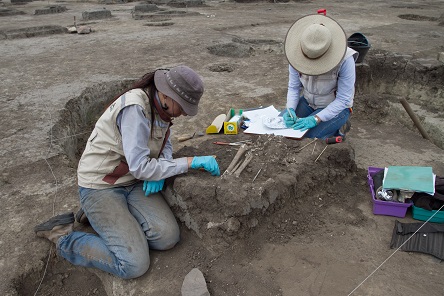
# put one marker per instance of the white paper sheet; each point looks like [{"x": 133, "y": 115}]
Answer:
[{"x": 257, "y": 126}]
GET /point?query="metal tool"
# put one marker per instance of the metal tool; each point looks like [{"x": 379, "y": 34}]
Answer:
[
  {"x": 334, "y": 140},
  {"x": 227, "y": 143},
  {"x": 289, "y": 113},
  {"x": 239, "y": 143}
]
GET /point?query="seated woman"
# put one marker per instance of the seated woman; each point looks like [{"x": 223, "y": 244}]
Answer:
[{"x": 322, "y": 77}]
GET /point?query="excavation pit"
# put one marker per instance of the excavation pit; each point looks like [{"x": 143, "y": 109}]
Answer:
[
  {"x": 325, "y": 242},
  {"x": 415, "y": 17},
  {"x": 229, "y": 206},
  {"x": 284, "y": 192},
  {"x": 241, "y": 48}
]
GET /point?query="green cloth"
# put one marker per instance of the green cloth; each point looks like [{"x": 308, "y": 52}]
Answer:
[{"x": 412, "y": 178}]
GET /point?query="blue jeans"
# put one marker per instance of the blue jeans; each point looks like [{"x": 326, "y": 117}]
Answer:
[
  {"x": 128, "y": 224},
  {"x": 324, "y": 129}
]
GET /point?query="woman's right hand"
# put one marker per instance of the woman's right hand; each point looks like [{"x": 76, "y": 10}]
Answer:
[{"x": 290, "y": 117}]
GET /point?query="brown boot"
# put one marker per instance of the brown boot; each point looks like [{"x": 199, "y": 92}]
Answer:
[{"x": 56, "y": 227}]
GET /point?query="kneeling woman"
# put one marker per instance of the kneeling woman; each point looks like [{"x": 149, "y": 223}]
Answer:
[{"x": 121, "y": 174}]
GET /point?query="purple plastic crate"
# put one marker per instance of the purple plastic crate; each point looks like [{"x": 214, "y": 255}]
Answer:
[{"x": 382, "y": 207}]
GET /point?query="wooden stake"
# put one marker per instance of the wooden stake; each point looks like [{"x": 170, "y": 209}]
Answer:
[
  {"x": 321, "y": 153},
  {"x": 415, "y": 119},
  {"x": 257, "y": 174},
  {"x": 306, "y": 145}
]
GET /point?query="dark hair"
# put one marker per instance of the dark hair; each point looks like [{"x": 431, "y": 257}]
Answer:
[{"x": 146, "y": 83}]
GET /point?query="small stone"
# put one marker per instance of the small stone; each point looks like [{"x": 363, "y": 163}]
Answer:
[
  {"x": 194, "y": 284},
  {"x": 252, "y": 223},
  {"x": 83, "y": 30},
  {"x": 232, "y": 225},
  {"x": 72, "y": 29},
  {"x": 441, "y": 56}
]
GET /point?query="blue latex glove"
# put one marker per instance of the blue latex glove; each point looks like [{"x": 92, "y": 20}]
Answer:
[
  {"x": 288, "y": 119},
  {"x": 305, "y": 123},
  {"x": 207, "y": 163},
  {"x": 151, "y": 187}
]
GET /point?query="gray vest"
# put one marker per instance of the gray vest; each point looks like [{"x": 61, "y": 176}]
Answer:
[
  {"x": 319, "y": 91},
  {"x": 103, "y": 162}
]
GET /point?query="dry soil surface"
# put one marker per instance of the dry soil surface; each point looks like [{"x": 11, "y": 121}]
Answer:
[{"x": 288, "y": 225}]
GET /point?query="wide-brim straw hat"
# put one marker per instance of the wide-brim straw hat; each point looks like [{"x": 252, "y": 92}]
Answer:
[
  {"x": 183, "y": 85},
  {"x": 315, "y": 44}
]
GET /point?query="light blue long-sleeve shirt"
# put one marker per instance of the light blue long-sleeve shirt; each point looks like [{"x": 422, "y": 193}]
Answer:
[
  {"x": 135, "y": 130},
  {"x": 344, "y": 91}
]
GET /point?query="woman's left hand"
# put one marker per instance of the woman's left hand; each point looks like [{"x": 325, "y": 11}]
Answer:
[
  {"x": 207, "y": 163},
  {"x": 151, "y": 187}
]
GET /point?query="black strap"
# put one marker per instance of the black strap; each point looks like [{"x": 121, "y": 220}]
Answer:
[{"x": 167, "y": 135}]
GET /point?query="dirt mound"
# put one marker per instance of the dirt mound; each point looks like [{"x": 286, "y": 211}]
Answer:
[{"x": 282, "y": 172}]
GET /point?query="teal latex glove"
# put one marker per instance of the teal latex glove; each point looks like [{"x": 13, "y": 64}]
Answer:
[
  {"x": 288, "y": 119},
  {"x": 207, "y": 163},
  {"x": 304, "y": 124},
  {"x": 151, "y": 187}
]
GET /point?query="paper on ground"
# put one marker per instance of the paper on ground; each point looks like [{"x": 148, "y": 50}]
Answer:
[{"x": 257, "y": 126}]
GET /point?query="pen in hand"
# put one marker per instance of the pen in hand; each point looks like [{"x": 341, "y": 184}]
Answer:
[{"x": 291, "y": 115}]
